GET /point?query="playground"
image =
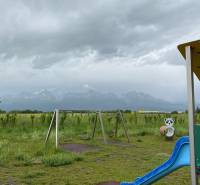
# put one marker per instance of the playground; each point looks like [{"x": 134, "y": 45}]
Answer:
[{"x": 22, "y": 161}]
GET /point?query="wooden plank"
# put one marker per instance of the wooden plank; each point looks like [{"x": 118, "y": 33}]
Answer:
[{"x": 195, "y": 55}]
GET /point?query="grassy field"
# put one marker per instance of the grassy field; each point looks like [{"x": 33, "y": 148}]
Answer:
[{"x": 24, "y": 159}]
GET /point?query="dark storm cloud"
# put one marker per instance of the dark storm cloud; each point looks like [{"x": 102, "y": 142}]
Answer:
[{"x": 52, "y": 31}]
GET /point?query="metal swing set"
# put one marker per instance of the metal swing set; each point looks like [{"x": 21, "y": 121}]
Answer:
[{"x": 98, "y": 119}]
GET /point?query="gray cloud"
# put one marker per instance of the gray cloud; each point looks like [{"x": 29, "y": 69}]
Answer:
[
  {"x": 55, "y": 44},
  {"x": 44, "y": 29}
]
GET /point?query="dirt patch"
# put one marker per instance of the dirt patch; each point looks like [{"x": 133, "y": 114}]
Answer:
[
  {"x": 118, "y": 143},
  {"x": 78, "y": 148},
  {"x": 108, "y": 183}
]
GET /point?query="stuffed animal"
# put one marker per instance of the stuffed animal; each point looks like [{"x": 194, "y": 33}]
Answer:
[{"x": 168, "y": 130}]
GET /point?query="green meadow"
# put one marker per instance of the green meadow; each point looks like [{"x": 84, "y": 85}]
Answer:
[{"x": 25, "y": 159}]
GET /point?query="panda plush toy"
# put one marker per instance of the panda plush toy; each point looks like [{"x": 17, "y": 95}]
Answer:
[
  {"x": 168, "y": 130},
  {"x": 169, "y": 122}
]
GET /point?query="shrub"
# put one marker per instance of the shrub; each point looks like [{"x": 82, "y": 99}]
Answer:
[
  {"x": 24, "y": 159},
  {"x": 174, "y": 112},
  {"x": 78, "y": 158},
  {"x": 42, "y": 118},
  {"x": 58, "y": 160},
  {"x": 32, "y": 119},
  {"x": 3, "y": 159},
  {"x": 39, "y": 153}
]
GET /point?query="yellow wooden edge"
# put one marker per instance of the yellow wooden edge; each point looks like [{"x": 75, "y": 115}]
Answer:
[
  {"x": 195, "y": 51},
  {"x": 194, "y": 45}
]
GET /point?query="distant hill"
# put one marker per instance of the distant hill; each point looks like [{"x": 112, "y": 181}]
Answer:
[{"x": 47, "y": 100}]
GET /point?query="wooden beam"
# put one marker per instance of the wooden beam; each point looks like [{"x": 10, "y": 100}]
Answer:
[{"x": 191, "y": 110}]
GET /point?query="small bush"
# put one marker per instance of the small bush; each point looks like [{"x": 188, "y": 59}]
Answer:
[
  {"x": 78, "y": 158},
  {"x": 20, "y": 157},
  {"x": 141, "y": 132},
  {"x": 24, "y": 158},
  {"x": 58, "y": 160},
  {"x": 39, "y": 153},
  {"x": 3, "y": 159}
]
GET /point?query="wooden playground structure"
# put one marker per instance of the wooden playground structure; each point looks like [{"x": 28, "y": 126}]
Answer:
[{"x": 191, "y": 53}]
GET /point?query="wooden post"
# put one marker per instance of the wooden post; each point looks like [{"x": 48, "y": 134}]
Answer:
[
  {"x": 50, "y": 127},
  {"x": 191, "y": 110}
]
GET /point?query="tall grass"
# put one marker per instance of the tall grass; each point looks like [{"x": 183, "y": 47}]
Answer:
[{"x": 76, "y": 124}]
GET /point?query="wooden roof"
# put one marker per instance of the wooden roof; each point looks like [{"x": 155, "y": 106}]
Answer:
[{"x": 195, "y": 51}]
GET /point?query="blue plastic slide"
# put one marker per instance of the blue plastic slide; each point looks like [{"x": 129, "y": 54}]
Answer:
[{"x": 179, "y": 158}]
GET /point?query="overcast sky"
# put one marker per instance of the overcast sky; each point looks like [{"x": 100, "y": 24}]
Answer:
[{"x": 107, "y": 45}]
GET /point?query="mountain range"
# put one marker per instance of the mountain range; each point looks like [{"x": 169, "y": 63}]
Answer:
[{"x": 48, "y": 100}]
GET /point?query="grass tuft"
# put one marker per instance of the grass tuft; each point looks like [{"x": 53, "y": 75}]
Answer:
[
  {"x": 59, "y": 159},
  {"x": 25, "y": 159}
]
